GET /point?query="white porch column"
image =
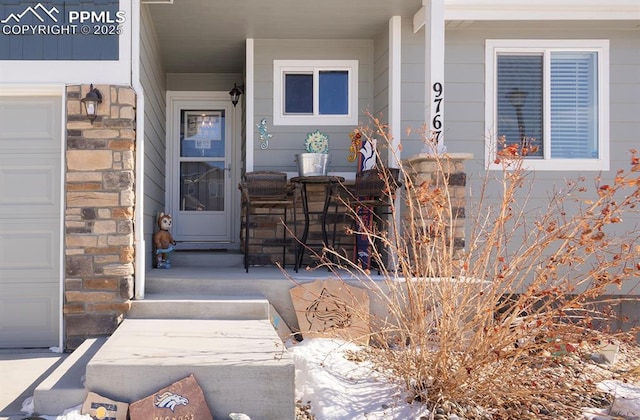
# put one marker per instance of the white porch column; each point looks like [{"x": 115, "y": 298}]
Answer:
[
  {"x": 249, "y": 100},
  {"x": 395, "y": 88},
  {"x": 434, "y": 70}
]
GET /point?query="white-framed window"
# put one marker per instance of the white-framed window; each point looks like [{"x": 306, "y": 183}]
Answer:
[
  {"x": 553, "y": 97},
  {"x": 313, "y": 92}
]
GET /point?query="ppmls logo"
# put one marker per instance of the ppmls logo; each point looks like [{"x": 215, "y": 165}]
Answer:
[
  {"x": 34, "y": 11},
  {"x": 41, "y": 20}
]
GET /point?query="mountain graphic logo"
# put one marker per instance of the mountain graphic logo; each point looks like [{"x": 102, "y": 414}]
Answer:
[{"x": 37, "y": 11}]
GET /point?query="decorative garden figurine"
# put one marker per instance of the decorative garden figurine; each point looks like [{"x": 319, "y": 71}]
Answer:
[
  {"x": 316, "y": 142},
  {"x": 368, "y": 152},
  {"x": 264, "y": 134},
  {"x": 163, "y": 241},
  {"x": 356, "y": 144},
  {"x": 316, "y": 157}
]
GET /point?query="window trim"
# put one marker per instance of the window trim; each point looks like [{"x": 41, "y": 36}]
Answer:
[
  {"x": 280, "y": 67},
  {"x": 601, "y": 46}
]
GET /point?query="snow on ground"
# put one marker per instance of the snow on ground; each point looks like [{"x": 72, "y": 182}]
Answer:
[
  {"x": 626, "y": 403},
  {"x": 340, "y": 389},
  {"x": 69, "y": 414}
]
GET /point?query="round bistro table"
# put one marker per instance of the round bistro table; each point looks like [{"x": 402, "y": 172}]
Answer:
[{"x": 329, "y": 184}]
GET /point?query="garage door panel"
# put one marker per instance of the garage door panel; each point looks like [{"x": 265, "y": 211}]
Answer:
[
  {"x": 29, "y": 189},
  {"x": 30, "y": 220},
  {"x": 26, "y": 247},
  {"x": 29, "y": 321},
  {"x": 30, "y": 124}
]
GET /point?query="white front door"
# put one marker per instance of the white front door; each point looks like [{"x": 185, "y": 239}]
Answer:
[{"x": 200, "y": 180}]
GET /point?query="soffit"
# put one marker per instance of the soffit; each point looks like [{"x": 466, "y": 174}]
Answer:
[{"x": 208, "y": 36}]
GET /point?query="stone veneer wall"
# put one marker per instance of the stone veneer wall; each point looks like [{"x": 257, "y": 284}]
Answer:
[
  {"x": 99, "y": 193},
  {"x": 446, "y": 169},
  {"x": 265, "y": 246},
  {"x": 267, "y": 229}
]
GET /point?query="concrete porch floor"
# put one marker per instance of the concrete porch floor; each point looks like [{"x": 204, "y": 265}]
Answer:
[
  {"x": 270, "y": 282},
  {"x": 271, "y": 272}
]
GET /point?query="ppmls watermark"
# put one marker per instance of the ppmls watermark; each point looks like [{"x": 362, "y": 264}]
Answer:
[{"x": 53, "y": 22}]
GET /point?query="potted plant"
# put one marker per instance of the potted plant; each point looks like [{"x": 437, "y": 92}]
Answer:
[{"x": 314, "y": 161}]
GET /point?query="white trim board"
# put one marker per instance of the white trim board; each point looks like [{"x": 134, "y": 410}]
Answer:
[{"x": 470, "y": 10}]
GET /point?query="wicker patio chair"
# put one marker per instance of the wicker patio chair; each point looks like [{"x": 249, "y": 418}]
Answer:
[{"x": 266, "y": 189}]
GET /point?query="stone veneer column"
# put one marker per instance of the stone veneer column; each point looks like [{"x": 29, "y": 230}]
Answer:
[
  {"x": 99, "y": 191},
  {"x": 449, "y": 169}
]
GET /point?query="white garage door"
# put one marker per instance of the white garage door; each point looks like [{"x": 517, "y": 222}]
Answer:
[{"x": 30, "y": 150}]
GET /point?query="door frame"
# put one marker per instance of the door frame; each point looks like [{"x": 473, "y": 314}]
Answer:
[{"x": 234, "y": 124}]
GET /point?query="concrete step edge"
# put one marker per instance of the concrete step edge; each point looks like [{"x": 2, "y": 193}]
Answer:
[
  {"x": 65, "y": 388},
  {"x": 188, "y": 308},
  {"x": 207, "y": 259}
]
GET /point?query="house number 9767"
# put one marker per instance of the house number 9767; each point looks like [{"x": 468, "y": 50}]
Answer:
[{"x": 436, "y": 121}]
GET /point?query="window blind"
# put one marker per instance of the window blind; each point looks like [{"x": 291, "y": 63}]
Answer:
[{"x": 574, "y": 122}]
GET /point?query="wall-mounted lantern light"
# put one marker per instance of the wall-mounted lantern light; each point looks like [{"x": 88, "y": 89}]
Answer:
[
  {"x": 91, "y": 101},
  {"x": 235, "y": 94}
]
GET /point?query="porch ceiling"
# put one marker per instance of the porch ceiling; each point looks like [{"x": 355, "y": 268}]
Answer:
[{"x": 207, "y": 36}]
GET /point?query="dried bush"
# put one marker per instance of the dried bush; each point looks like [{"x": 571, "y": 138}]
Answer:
[{"x": 496, "y": 328}]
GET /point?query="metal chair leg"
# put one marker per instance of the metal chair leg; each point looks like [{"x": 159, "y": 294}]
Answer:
[
  {"x": 246, "y": 237},
  {"x": 284, "y": 240}
]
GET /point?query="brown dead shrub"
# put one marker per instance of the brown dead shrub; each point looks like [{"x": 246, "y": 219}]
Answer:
[{"x": 502, "y": 327}]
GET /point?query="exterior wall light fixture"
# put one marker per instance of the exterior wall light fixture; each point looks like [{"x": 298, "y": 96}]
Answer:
[
  {"x": 91, "y": 101},
  {"x": 235, "y": 94}
]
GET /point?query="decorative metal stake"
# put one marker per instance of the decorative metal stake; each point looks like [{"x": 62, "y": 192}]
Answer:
[{"x": 264, "y": 134}]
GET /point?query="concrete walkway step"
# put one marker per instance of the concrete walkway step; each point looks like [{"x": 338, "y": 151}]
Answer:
[
  {"x": 64, "y": 388},
  {"x": 207, "y": 258},
  {"x": 232, "y": 344},
  {"x": 241, "y": 365},
  {"x": 178, "y": 306},
  {"x": 174, "y": 306}
]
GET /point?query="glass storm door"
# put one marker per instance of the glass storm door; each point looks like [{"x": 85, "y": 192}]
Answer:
[{"x": 202, "y": 181}]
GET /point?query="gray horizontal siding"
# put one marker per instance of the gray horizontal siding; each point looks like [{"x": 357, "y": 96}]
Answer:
[
  {"x": 465, "y": 111},
  {"x": 152, "y": 78},
  {"x": 287, "y": 141},
  {"x": 381, "y": 76},
  {"x": 464, "y": 84},
  {"x": 412, "y": 88}
]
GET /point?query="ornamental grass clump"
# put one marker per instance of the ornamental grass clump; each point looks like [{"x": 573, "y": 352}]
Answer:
[{"x": 502, "y": 325}]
